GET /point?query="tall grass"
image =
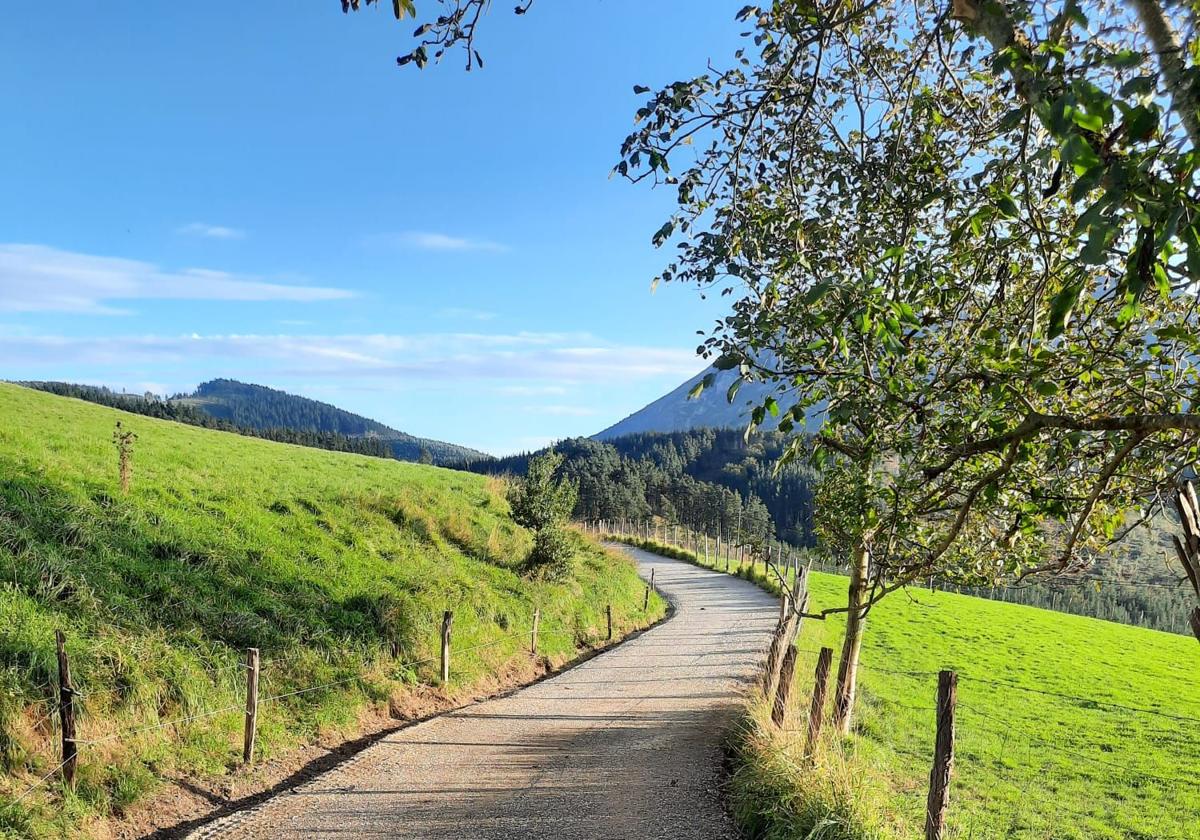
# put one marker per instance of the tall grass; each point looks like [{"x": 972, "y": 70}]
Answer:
[
  {"x": 328, "y": 563},
  {"x": 1069, "y": 728}
]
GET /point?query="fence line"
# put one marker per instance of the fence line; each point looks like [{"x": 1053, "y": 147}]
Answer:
[
  {"x": 948, "y": 681},
  {"x": 54, "y": 706},
  {"x": 1059, "y": 748}
]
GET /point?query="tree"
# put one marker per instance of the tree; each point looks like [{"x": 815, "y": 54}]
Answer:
[
  {"x": 541, "y": 502},
  {"x": 968, "y": 233},
  {"x": 971, "y": 245}
]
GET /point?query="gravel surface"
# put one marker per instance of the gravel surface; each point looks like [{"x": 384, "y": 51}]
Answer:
[{"x": 626, "y": 745}]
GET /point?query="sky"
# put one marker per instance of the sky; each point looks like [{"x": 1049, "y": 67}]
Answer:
[{"x": 256, "y": 191}]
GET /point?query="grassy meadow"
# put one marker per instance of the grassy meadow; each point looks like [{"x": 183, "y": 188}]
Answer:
[
  {"x": 1068, "y": 727},
  {"x": 337, "y": 567}
]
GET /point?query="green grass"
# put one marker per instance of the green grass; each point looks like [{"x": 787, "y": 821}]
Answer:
[
  {"x": 1028, "y": 764},
  {"x": 324, "y": 561}
]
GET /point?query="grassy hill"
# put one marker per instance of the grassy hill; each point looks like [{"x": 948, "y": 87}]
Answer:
[
  {"x": 337, "y": 567},
  {"x": 1068, "y": 728}
]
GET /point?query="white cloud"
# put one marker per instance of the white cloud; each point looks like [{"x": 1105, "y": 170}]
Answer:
[
  {"x": 544, "y": 361},
  {"x": 37, "y": 278},
  {"x": 210, "y": 231},
  {"x": 432, "y": 241}
]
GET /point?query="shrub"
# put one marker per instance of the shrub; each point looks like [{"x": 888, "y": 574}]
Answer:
[
  {"x": 542, "y": 503},
  {"x": 553, "y": 555}
]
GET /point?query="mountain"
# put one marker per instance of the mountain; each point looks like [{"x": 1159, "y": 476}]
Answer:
[
  {"x": 674, "y": 412},
  {"x": 259, "y": 407}
]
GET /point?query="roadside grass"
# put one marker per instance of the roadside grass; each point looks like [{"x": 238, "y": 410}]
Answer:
[
  {"x": 1112, "y": 757},
  {"x": 327, "y": 562}
]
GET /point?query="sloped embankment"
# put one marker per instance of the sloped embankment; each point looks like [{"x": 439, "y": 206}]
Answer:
[{"x": 337, "y": 567}]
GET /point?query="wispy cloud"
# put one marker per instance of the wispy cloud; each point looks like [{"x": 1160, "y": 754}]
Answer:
[
  {"x": 432, "y": 241},
  {"x": 37, "y": 278},
  {"x": 210, "y": 231},
  {"x": 526, "y": 362}
]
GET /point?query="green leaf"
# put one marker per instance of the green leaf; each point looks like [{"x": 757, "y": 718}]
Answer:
[
  {"x": 1061, "y": 307},
  {"x": 731, "y": 394},
  {"x": 1139, "y": 86},
  {"x": 772, "y": 406},
  {"x": 1079, "y": 154},
  {"x": 1007, "y": 205},
  {"x": 1124, "y": 59},
  {"x": 1088, "y": 122},
  {"x": 1141, "y": 123},
  {"x": 699, "y": 387}
]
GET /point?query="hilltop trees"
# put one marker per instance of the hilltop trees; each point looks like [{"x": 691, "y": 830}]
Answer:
[{"x": 710, "y": 480}]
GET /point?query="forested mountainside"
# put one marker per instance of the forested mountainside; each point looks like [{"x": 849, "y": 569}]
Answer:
[
  {"x": 152, "y": 406},
  {"x": 274, "y": 415},
  {"x": 705, "y": 479},
  {"x": 702, "y": 479},
  {"x": 259, "y": 407}
]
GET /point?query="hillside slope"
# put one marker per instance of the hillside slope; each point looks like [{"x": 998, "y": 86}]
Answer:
[
  {"x": 337, "y": 567},
  {"x": 675, "y": 412},
  {"x": 1067, "y": 728},
  {"x": 259, "y": 407}
]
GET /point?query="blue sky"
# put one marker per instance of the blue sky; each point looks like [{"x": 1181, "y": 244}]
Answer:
[{"x": 254, "y": 190}]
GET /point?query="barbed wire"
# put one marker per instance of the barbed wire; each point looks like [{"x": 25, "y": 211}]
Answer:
[
  {"x": 1080, "y": 698},
  {"x": 38, "y": 783},
  {"x": 1075, "y": 753},
  {"x": 543, "y": 630}
]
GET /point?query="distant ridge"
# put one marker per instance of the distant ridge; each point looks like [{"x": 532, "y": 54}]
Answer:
[
  {"x": 260, "y": 407},
  {"x": 674, "y": 412}
]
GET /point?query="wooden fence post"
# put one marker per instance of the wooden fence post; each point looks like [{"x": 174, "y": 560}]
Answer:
[
  {"x": 251, "y": 705},
  {"x": 537, "y": 619},
  {"x": 66, "y": 708},
  {"x": 649, "y": 586},
  {"x": 608, "y": 613},
  {"x": 785, "y": 686},
  {"x": 785, "y": 633},
  {"x": 816, "y": 712},
  {"x": 943, "y": 757},
  {"x": 447, "y": 621}
]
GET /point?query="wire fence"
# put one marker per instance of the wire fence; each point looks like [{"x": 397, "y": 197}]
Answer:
[
  {"x": 1009, "y": 752},
  {"x": 1156, "y": 604},
  {"x": 1029, "y": 758},
  {"x": 54, "y": 707}
]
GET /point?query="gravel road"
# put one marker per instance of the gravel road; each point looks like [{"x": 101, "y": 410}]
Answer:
[{"x": 626, "y": 745}]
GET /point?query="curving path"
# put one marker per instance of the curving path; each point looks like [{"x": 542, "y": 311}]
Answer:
[{"x": 626, "y": 745}]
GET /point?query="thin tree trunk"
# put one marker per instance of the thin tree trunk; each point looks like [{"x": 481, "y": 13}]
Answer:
[
  {"x": 847, "y": 679},
  {"x": 1173, "y": 61},
  {"x": 994, "y": 22}
]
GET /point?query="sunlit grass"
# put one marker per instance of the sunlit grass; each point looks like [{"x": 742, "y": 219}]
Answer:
[
  {"x": 1029, "y": 764},
  {"x": 324, "y": 561}
]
